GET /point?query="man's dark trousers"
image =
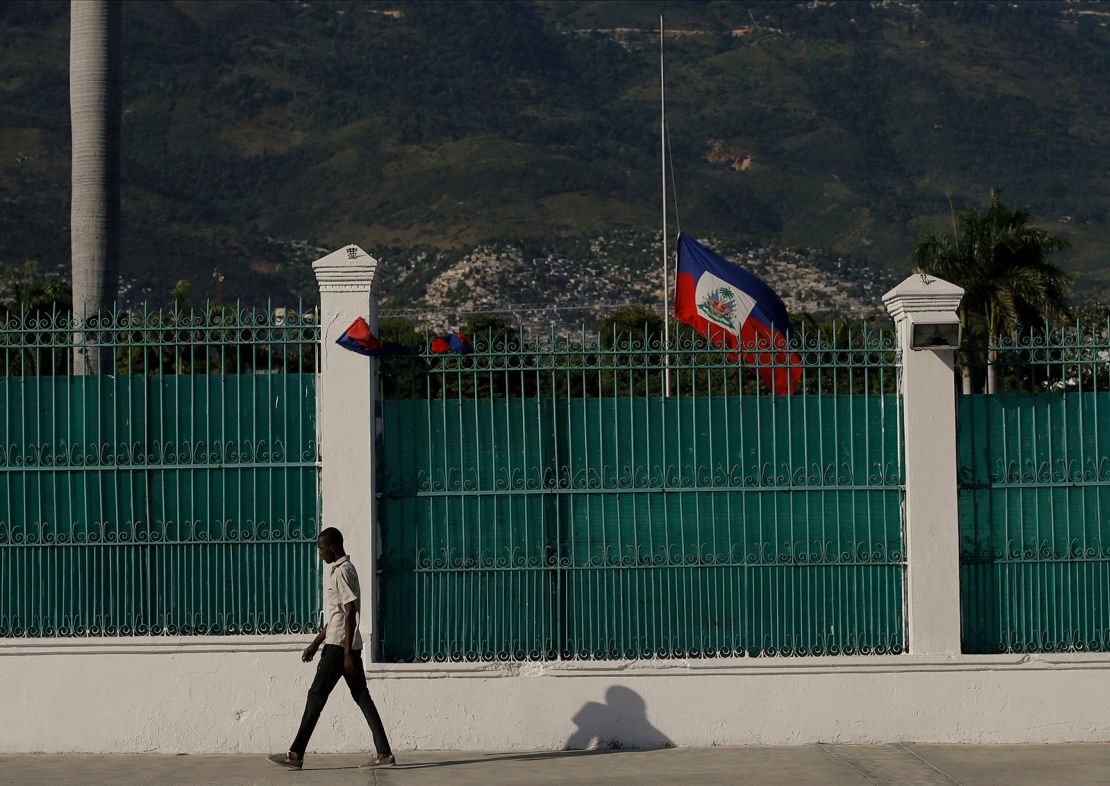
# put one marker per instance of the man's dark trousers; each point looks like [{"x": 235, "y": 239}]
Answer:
[{"x": 328, "y": 672}]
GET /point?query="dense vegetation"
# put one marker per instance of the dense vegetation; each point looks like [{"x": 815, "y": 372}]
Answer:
[{"x": 410, "y": 127}]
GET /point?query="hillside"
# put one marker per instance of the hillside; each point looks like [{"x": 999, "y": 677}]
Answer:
[{"x": 255, "y": 133}]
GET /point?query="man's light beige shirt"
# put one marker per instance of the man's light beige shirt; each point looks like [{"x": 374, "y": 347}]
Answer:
[{"x": 340, "y": 588}]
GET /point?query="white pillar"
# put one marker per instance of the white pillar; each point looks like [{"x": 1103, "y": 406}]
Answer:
[
  {"x": 346, "y": 401},
  {"x": 931, "y": 510}
]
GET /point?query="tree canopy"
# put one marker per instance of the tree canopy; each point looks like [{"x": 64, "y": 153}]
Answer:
[{"x": 1002, "y": 262}]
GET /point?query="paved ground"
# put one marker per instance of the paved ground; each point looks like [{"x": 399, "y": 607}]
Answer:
[{"x": 828, "y": 765}]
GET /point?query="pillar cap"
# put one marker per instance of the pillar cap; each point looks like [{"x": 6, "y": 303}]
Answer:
[
  {"x": 920, "y": 293},
  {"x": 348, "y": 269}
]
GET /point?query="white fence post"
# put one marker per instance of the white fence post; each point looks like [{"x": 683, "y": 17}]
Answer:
[
  {"x": 346, "y": 400},
  {"x": 931, "y": 509}
]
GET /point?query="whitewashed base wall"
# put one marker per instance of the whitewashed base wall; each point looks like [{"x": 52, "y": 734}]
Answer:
[{"x": 241, "y": 696}]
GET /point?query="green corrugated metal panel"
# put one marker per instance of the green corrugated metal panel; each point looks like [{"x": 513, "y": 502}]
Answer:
[
  {"x": 173, "y": 499},
  {"x": 1035, "y": 521},
  {"x": 573, "y": 526}
]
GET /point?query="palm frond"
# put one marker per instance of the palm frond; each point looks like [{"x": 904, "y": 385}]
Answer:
[{"x": 1002, "y": 262}]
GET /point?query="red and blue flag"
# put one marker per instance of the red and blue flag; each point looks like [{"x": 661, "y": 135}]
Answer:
[
  {"x": 358, "y": 338},
  {"x": 450, "y": 342},
  {"x": 734, "y": 309}
]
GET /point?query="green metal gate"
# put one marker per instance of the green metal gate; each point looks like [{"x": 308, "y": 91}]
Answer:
[
  {"x": 1035, "y": 496},
  {"x": 543, "y": 499},
  {"x": 176, "y": 493}
]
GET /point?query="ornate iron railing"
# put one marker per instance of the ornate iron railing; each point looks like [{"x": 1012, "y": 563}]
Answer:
[
  {"x": 543, "y": 498},
  {"x": 173, "y": 493},
  {"x": 1035, "y": 495}
]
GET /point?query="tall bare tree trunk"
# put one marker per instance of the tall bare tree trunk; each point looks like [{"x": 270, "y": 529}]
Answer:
[{"x": 94, "y": 108}]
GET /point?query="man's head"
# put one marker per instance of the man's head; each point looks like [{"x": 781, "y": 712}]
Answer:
[{"x": 330, "y": 544}]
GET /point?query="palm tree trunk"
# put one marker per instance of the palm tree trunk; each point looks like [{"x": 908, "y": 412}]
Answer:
[
  {"x": 965, "y": 377},
  {"x": 992, "y": 366},
  {"x": 964, "y": 358},
  {"x": 94, "y": 107}
]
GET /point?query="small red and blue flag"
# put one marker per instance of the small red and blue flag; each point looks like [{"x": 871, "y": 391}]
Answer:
[
  {"x": 358, "y": 338},
  {"x": 734, "y": 309},
  {"x": 450, "y": 342}
]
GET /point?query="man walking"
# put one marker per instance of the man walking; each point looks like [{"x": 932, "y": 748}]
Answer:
[{"x": 342, "y": 655}]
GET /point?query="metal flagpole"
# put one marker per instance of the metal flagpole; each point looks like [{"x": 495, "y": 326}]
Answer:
[{"x": 666, "y": 275}]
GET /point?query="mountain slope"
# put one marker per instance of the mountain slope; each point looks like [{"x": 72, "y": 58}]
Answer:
[{"x": 255, "y": 131}]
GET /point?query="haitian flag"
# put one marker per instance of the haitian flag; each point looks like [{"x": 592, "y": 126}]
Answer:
[
  {"x": 358, "y": 338},
  {"x": 735, "y": 310},
  {"x": 450, "y": 342}
]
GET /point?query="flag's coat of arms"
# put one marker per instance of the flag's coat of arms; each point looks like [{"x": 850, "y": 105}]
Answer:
[
  {"x": 718, "y": 305},
  {"x": 735, "y": 310},
  {"x": 721, "y": 303}
]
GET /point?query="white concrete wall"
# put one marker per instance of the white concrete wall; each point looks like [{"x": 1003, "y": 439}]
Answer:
[{"x": 247, "y": 694}]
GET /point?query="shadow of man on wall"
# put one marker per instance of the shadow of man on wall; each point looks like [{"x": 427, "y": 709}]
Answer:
[{"x": 621, "y": 722}]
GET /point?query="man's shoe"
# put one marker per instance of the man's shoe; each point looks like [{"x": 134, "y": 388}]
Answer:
[
  {"x": 379, "y": 760},
  {"x": 283, "y": 760}
]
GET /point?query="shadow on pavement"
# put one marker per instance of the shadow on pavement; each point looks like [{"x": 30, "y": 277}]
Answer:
[
  {"x": 618, "y": 724},
  {"x": 539, "y": 756}
]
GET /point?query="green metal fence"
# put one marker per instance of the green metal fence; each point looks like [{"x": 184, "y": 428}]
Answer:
[
  {"x": 544, "y": 498},
  {"x": 176, "y": 492},
  {"x": 1035, "y": 495}
]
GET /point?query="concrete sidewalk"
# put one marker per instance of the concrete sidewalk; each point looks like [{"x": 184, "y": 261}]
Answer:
[{"x": 828, "y": 765}]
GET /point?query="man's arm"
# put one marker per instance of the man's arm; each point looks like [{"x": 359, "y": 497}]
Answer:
[
  {"x": 310, "y": 651},
  {"x": 350, "y": 623}
]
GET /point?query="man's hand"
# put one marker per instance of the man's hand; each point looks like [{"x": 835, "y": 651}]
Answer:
[
  {"x": 348, "y": 663},
  {"x": 309, "y": 652}
]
